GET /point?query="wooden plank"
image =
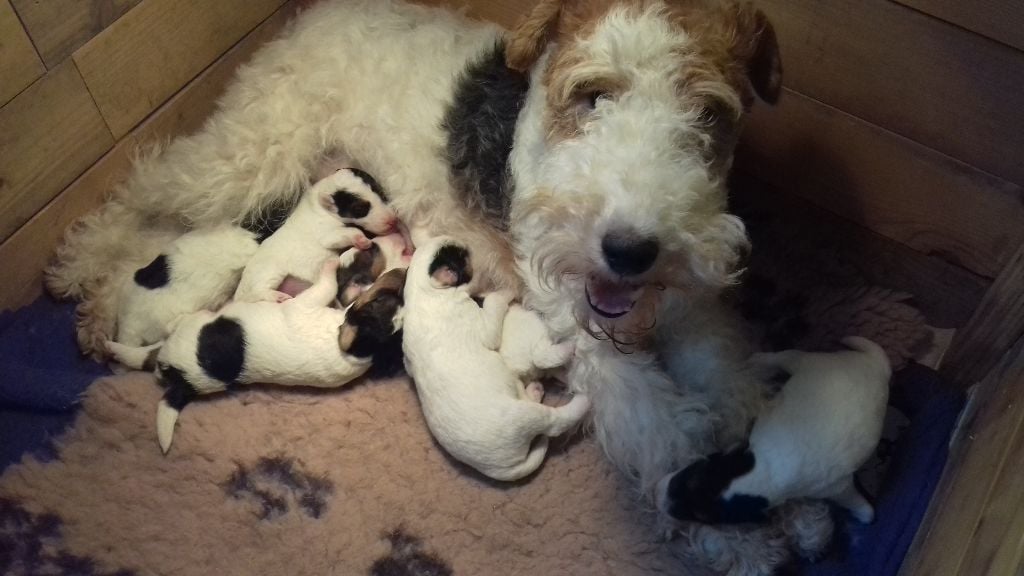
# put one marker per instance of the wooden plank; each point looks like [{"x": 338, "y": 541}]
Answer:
[
  {"x": 49, "y": 134},
  {"x": 58, "y": 27},
  {"x": 945, "y": 293},
  {"x": 149, "y": 53},
  {"x": 1001, "y": 20},
  {"x": 972, "y": 475},
  {"x": 26, "y": 253},
  {"x": 920, "y": 77},
  {"x": 997, "y": 324},
  {"x": 886, "y": 183},
  {"x": 998, "y": 544},
  {"x": 19, "y": 64}
]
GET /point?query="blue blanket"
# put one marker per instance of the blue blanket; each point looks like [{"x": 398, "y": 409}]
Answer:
[{"x": 42, "y": 376}]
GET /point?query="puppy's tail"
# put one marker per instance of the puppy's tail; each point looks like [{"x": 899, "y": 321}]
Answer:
[
  {"x": 136, "y": 357},
  {"x": 166, "y": 418},
  {"x": 872, "y": 350},
  {"x": 534, "y": 458}
]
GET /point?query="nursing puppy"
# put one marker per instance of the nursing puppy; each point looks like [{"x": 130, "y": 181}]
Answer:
[
  {"x": 527, "y": 348},
  {"x": 475, "y": 405},
  {"x": 359, "y": 269},
  {"x": 822, "y": 427},
  {"x": 299, "y": 342},
  {"x": 333, "y": 215},
  {"x": 198, "y": 271}
]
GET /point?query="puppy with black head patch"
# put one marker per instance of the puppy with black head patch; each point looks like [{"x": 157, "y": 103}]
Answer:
[
  {"x": 476, "y": 407},
  {"x": 823, "y": 425},
  {"x": 198, "y": 271},
  {"x": 333, "y": 215},
  {"x": 299, "y": 342}
]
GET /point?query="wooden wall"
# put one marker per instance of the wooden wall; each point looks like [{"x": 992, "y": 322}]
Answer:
[{"x": 82, "y": 84}]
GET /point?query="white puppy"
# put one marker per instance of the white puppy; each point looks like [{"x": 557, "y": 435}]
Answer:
[
  {"x": 527, "y": 348},
  {"x": 300, "y": 342},
  {"x": 198, "y": 271},
  {"x": 822, "y": 427},
  {"x": 331, "y": 216},
  {"x": 476, "y": 407}
]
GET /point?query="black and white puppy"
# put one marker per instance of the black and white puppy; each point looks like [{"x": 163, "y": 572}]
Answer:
[
  {"x": 198, "y": 271},
  {"x": 823, "y": 425},
  {"x": 333, "y": 215},
  {"x": 300, "y": 342},
  {"x": 475, "y": 405}
]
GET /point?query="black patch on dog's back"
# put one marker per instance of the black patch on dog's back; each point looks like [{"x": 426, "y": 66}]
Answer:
[
  {"x": 375, "y": 325},
  {"x": 179, "y": 390},
  {"x": 454, "y": 258},
  {"x": 350, "y": 205},
  {"x": 480, "y": 124},
  {"x": 370, "y": 182},
  {"x": 220, "y": 349},
  {"x": 695, "y": 492},
  {"x": 155, "y": 274},
  {"x": 264, "y": 223}
]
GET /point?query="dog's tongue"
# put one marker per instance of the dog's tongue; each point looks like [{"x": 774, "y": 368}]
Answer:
[{"x": 611, "y": 299}]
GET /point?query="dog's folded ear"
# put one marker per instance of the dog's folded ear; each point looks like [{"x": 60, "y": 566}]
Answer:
[
  {"x": 758, "y": 47},
  {"x": 525, "y": 43}
]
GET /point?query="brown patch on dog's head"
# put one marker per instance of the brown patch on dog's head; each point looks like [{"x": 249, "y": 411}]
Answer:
[
  {"x": 730, "y": 53},
  {"x": 360, "y": 274},
  {"x": 375, "y": 318}
]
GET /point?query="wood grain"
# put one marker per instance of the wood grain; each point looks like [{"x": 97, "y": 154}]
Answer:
[
  {"x": 19, "y": 64},
  {"x": 903, "y": 70},
  {"x": 945, "y": 293},
  {"x": 58, "y": 27},
  {"x": 979, "y": 466},
  {"x": 994, "y": 327},
  {"x": 152, "y": 51},
  {"x": 889, "y": 184},
  {"x": 1001, "y": 20},
  {"x": 49, "y": 134},
  {"x": 26, "y": 253}
]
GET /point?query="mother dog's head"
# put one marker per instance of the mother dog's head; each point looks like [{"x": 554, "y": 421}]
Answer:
[{"x": 622, "y": 148}]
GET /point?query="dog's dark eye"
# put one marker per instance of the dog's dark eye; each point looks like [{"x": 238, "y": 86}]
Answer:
[
  {"x": 591, "y": 98},
  {"x": 709, "y": 114}
]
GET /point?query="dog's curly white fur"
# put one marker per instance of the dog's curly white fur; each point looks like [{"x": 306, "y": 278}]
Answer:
[
  {"x": 607, "y": 199},
  {"x": 198, "y": 271},
  {"x": 477, "y": 408}
]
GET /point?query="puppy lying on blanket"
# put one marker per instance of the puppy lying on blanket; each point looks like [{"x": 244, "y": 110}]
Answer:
[
  {"x": 331, "y": 216},
  {"x": 822, "y": 427},
  {"x": 300, "y": 342},
  {"x": 198, "y": 271},
  {"x": 475, "y": 405}
]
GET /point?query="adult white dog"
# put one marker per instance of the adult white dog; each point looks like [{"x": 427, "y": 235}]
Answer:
[{"x": 582, "y": 156}]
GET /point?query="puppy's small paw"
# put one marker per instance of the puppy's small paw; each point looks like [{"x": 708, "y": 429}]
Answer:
[
  {"x": 535, "y": 391},
  {"x": 278, "y": 297},
  {"x": 362, "y": 243}
]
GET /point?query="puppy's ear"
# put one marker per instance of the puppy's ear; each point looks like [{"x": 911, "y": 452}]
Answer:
[
  {"x": 525, "y": 43},
  {"x": 347, "y": 336}
]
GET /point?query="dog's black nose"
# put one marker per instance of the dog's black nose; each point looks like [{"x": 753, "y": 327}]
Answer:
[{"x": 629, "y": 254}]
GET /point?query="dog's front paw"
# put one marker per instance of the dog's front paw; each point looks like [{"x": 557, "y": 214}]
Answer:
[{"x": 362, "y": 243}]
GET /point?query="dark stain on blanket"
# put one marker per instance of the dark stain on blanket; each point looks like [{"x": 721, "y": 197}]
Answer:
[
  {"x": 480, "y": 126},
  {"x": 221, "y": 349},
  {"x": 155, "y": 274},
  {"x": 407, "y": 558},
  {"x": 32, "y": 544},
  {"x": 277, "y": 485}
]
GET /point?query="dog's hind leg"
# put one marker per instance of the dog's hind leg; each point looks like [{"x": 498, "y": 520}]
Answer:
[
  {"x": 546, "y": 355},
  {"x": 137, "y": 357},
  {"x": 494, "y": 310},
  {"x": 324, "y": 290}
]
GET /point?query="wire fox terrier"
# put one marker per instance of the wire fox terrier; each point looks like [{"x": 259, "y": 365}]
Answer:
[{"x": 581, "y": 155}]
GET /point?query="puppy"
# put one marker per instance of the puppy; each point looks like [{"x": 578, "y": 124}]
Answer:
[
  {"x": 475, "y": 405},
  {"x": 300, "y": 342},
  {"x": 331, "y": 216},
  {"x": 360, "y": 268},
  {"x": 527, "y": 348},
  {"x": 822, "y": 427},
  {"x": 198, "y": 271}
]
